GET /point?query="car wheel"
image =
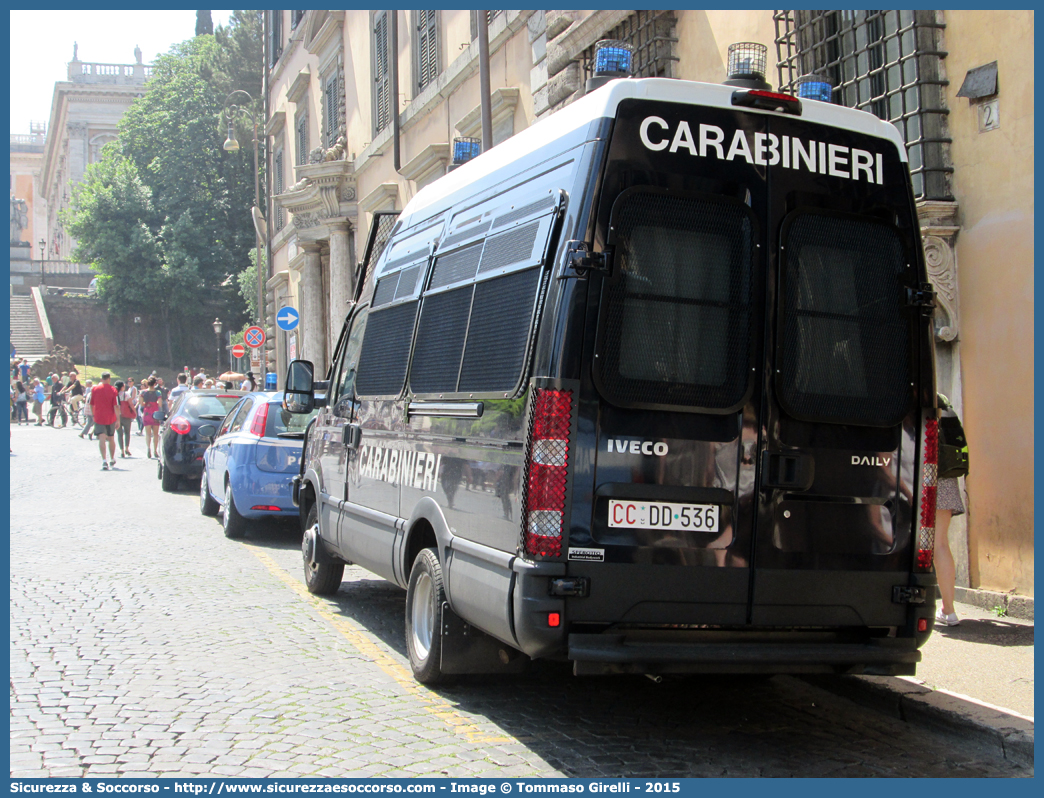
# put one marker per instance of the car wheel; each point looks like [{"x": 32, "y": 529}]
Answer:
[
  {"x": 425, "y": 598},
  {"x": 234, "y": 524},
  {"x": 168, "y": 479},
  {"x": 322, "y": 572},
  {"x": 207, "y": 505}
]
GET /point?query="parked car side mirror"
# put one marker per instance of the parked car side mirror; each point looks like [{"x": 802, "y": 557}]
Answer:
[
  {"x": 160, "y": 416},
  {"x": 299, "y": 390},
  {"x": 208, "y": 431}
]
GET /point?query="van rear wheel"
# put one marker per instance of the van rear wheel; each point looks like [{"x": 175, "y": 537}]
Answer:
[{"x": 424, "y": 601}]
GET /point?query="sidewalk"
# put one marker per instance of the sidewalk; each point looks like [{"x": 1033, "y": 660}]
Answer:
[{"x": 974, "y": 680}]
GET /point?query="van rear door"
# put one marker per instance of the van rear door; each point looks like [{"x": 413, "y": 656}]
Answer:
[
  {"x": 836, "y": 458},
  {"x": 667, "y": 495}
]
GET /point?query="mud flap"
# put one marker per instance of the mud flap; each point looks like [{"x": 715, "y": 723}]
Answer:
[{"x": 465, "y": 649}]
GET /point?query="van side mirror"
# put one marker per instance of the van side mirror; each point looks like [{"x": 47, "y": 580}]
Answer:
[{"x": 299, "y": 390}]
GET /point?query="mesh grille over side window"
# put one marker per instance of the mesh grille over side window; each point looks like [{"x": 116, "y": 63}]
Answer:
[
  {"x": 677, "y": 323},
  {"x": 843, "y": 337},
  {"x": 440, "y": 341},
  {"x": 386, "y": 350}
]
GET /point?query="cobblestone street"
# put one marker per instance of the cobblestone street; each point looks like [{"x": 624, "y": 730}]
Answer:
[{"x": 145, "y": 643}]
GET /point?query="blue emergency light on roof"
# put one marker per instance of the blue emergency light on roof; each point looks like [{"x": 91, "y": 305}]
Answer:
[
  {"x": 612, "y": 59},
  {"x": 464, "y": 149},
  {"x": 815, "y": 87}
]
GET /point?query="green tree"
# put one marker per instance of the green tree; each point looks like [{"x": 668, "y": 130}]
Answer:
[
  {"x": 204, "y": 23},
  {"x": 168, "y": 178}
]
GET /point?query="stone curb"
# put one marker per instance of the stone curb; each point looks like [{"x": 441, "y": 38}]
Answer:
[
  {"x": 1016, "y": 606},
  {"x": 1010, "y": 735}
]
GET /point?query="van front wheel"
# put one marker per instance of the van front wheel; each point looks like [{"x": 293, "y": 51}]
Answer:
[{"x": 425, "y": 598}]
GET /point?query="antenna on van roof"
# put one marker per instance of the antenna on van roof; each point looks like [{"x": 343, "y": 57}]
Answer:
[
  {"x": 613, "y": 59},
  {"x": 747, "y": 66}
]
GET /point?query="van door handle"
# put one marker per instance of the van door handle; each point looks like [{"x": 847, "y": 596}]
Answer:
[
  {"x": 787, "y": 470},
  {"x": 352, "y": 435}
]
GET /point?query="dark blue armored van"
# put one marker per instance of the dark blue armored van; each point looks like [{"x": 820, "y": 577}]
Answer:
[{"x": 649, "y": 388}]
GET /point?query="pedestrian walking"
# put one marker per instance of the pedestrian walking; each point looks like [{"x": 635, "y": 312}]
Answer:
[
  {"x": 39, "y": 394},
  {"x": 57, "y": 404},
  {"x": 21, "y": 403},
  {"x": 180, "y": 388},
  {"x": 953, "y": 463},
  {"x": 105, "y": 403},
  {"x": 142, "y": 387},
  {"x": 24, "y": 368},
  {"x": 127, "y": 414},
  {"x": 150, "y": 402},
  {"x": 88, "y": 411}
]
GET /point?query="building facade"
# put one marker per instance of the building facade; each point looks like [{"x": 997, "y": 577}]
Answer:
[
  {"x": 937, "y": 75},
  {"x": 85, "y": 110}
]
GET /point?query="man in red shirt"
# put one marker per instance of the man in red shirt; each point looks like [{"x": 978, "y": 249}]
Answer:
[{"x": 104, "y": 402}]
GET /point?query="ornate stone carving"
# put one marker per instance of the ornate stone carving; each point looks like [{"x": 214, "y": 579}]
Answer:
[
  {"x": 77, "y": 130},
  {"x": 303, "y": 221},
  {"x": 347, "y": 194},
  {"x": 939, "y": 228},
  {"x": 316, "y": 155},
  {"x": 938, "y": 258}
]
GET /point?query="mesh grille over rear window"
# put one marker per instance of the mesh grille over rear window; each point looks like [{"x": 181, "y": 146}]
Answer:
[
  {"x": 843, "y": 336},
  {"x": 677, "y": 326},
  {"x": 385, "y": 350}
]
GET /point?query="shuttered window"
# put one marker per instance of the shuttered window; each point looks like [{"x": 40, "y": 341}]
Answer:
[
  {"x": 426, "y": 51},
  {"x": 279, "y": 185},
  {"x": 382, "y": 100},
  {"x": 331, "y": 109},
  {"x": 490, "y": 16},
  {"x": 275, "y": 43},
  {"x": 301, "y": 136}
]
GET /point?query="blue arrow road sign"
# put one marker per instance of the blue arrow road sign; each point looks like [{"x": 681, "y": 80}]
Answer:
[{"x": 287, "y": 318}]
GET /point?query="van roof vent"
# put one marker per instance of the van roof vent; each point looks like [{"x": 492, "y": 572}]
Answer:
[{"x": 747, "y": 66}]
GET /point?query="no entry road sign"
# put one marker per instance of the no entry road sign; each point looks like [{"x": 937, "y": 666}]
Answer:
[
  {"x": 254, "y": 337},
  {"x": 238, "y": 350}
]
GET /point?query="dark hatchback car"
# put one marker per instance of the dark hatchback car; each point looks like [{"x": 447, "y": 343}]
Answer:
[{"x": 181, "y": 445}]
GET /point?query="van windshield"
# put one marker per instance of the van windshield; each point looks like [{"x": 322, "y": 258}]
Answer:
[{"x": 677, "y": 321}]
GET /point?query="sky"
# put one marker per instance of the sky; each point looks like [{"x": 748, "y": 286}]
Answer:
[{"x": 105, "y": 37}]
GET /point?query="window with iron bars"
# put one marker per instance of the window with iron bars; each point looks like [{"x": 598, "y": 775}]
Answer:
[
  {"x": 651, "y": 33},
  {"x": 884, "y": 62}
]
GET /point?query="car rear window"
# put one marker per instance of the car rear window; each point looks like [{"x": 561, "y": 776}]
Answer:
[
  {"x": 280, "y": 421},
  {"x": 196, "y": 406}
]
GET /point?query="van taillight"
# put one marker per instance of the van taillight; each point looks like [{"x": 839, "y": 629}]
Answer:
[
  {"x": 257, "y": 426},
  {"x": 547, "y": 462},
  {"x": 929, "y": 489}
]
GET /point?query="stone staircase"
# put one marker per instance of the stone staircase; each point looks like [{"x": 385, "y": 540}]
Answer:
[{"x": 26, "y": 334}]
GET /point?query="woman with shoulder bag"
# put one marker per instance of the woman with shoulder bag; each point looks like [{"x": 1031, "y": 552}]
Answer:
[
  {"x": 953, "y": 463},
  {"x": 127, "y": 415}
]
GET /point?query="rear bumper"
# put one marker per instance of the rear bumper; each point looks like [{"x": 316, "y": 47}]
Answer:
[
  {"x": 669, "y": 652},
  {"x": 253, "y": 487}
]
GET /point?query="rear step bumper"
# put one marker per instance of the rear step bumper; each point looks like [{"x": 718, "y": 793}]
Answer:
[{"x": 594, "y": 654}]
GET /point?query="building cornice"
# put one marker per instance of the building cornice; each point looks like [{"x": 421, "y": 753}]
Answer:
[
  {"x": 502, "y": 105},
  {"x": 434, "y": 157},
  {"x": 299, "y": 88}
]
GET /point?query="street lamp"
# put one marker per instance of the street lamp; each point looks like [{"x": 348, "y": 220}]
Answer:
[
  {"x": 217, "y": 338},
  {"x": 232, "y": 145},
  {"x": 43, "y": 247}
]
